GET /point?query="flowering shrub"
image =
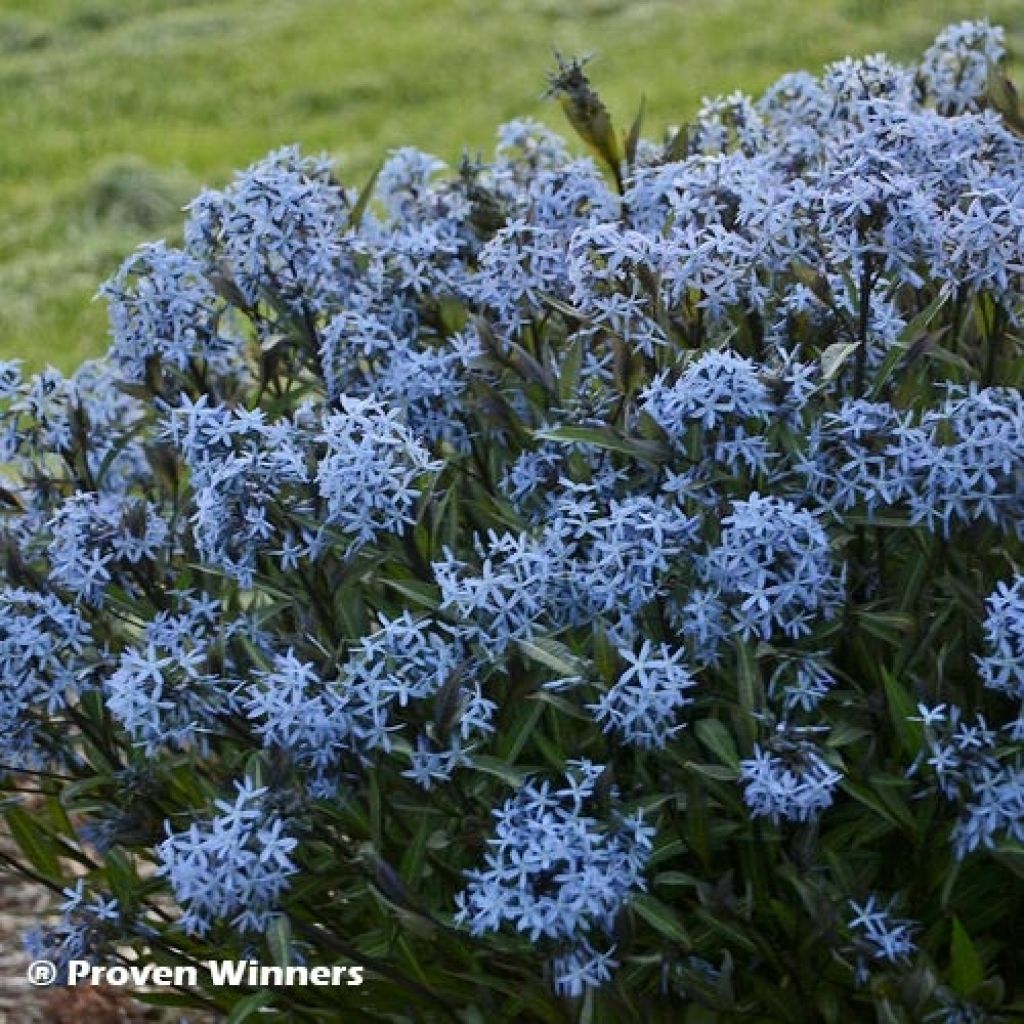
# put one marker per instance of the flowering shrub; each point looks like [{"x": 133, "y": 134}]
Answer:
[{"x": 566, "y": 588}]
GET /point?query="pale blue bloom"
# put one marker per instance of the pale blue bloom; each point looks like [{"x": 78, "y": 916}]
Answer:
[
  {"x": 232, "y": 868},
  {"x": 85, "y": 928},
  {"x": 1002, "y": 666},
  {"x": 554, "y": 871},
  {"x": 956, "y": 67},
  {"x": 879, "y": 935},
  {"x": 43, "y": 643},
  {"x": 644, "y": 704},
  {"x": 773, "y": 568},
  {"x": 163, "y": 307},
  {"x": 788, "y": 780},
  {"x": 371, "y": 471}
]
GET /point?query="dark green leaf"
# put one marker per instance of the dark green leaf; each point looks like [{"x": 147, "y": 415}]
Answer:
[
  {"x": 966, "y": 969},
  {"x": 661, "y": 917}
]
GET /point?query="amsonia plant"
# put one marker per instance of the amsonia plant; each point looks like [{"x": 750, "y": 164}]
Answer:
[{"x": 564, "y": 588}]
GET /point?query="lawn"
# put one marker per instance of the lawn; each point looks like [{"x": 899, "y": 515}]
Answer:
[{"x": 114, "y": 112}]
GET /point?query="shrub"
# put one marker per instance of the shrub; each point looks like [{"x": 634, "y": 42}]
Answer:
[{"x": 565, "y": 588}]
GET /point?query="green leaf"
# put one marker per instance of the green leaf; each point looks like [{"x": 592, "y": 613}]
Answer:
[
  {"x": 606, "y": 664},
  {"x": 279, "y": 940},
  {"x": 883, "y": 804},
  {"x": 411, "y": 867},
  {"x": 678, "y": 146},
  {"x": 966, "y": 970},
  {"x": 605, "y": 437},
  {"x": 715, "y": 736},
  {"x": 375, "y": 811},
  {"x": 664, "y": 850},
  {"x": 899, "y": 348},
  {"x": 902, "y": 708},
  {"x": 662, "y": 918},
  {"x": 718, "y": 772},
  {"x": 563, "y": 706},
  {"x": 717, "y": 925},
  {"x": 750, "y": 692},
  {"x": 845, "y": 733},
  {"x": 355, "y": 217},
  {"x": 696, "y": 819},
  {"x": 33, "y": 842},
  {"x": 571, "y": 312},
  {"x": 676, "y": 878},
  {"x": 1011, "y": 856},
  {"x": 249, "y": 1006},
  {"x": 913, "y": 579},
  {"x": 887, "y": 626},
  {"x": 122, "y": 878},
  {"x": 633, "y": 138},
  {"x": 835, "y": 357},
  {"x": 569, "y": 371},
  {"x": 255, "y": 768},
  {"x": 552, "y": 654},
  {"x": 518, "y": 736},
  {"x": 423, "y": 594},
  {"x": 58, "y": 815},
  {"x": 499, "y": 769}
]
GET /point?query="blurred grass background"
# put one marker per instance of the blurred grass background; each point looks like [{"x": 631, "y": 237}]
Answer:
[{"x": 114, "y": 112}]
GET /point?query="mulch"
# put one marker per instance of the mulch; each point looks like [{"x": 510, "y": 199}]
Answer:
[{"x": 23, "y": 904}]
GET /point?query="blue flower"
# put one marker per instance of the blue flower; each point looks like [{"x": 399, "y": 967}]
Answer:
[
  {"x": 277, "y": 231},
  {"x": 295, "y": 712},
  {"x": 404, "y": 182},
  {"x": 879, "y": 935},
  {"x": 956, "y": 67},
  {"x": 801, "y": 682},
  {"x": 1002, "y": 666},
  {"x": 554, "y": 871},
  {"x": 644, "y": 704},
  {"x": 773, "y": 568},
  {"x": 370, "y": 473},
  {"x": 788, "y": 780},
  {"x": 43, "y": 667},
  {"x": 965, "y": 461},
  {"x": 233, "y": 868},
  {"x": 162, "y": 306},
  {"x": 84, "y": 929},
  {"x": 96, "y": 538},
  {"x": 719, "y": 388}
]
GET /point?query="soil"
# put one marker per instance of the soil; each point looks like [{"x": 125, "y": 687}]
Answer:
[{"x": 23, "y": 904}]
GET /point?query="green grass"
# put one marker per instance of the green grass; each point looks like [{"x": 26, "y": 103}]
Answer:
[{"x": 114, "y": 112}]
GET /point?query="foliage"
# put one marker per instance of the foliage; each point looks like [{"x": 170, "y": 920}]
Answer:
[{"x": 563, "y": 591}]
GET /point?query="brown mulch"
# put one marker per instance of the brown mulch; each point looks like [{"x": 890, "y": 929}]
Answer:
[{"x": 23, "y": 904}]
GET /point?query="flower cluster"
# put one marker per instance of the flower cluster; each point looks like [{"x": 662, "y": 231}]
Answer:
[
  {"x": 555, "y": 871},
  {"x": 162, "y": 306},
  {"x": 42, "y": 666},
  {"x": 233, "y": 867},
  {"x": 368, "y": 473},
  {"x": 644, "y": 704},
  {"x": 971, "y": 771},
  {"x": 879, "y": 934},
  {"x": 1002, "y": 667},
  {"x": 772, "y": 570},
  {"x": 788, "y": 780},
  {"x": 277, "y": 231},
  {"x": 84, "y": 930},
  {"x": 90, "y": 531}
]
